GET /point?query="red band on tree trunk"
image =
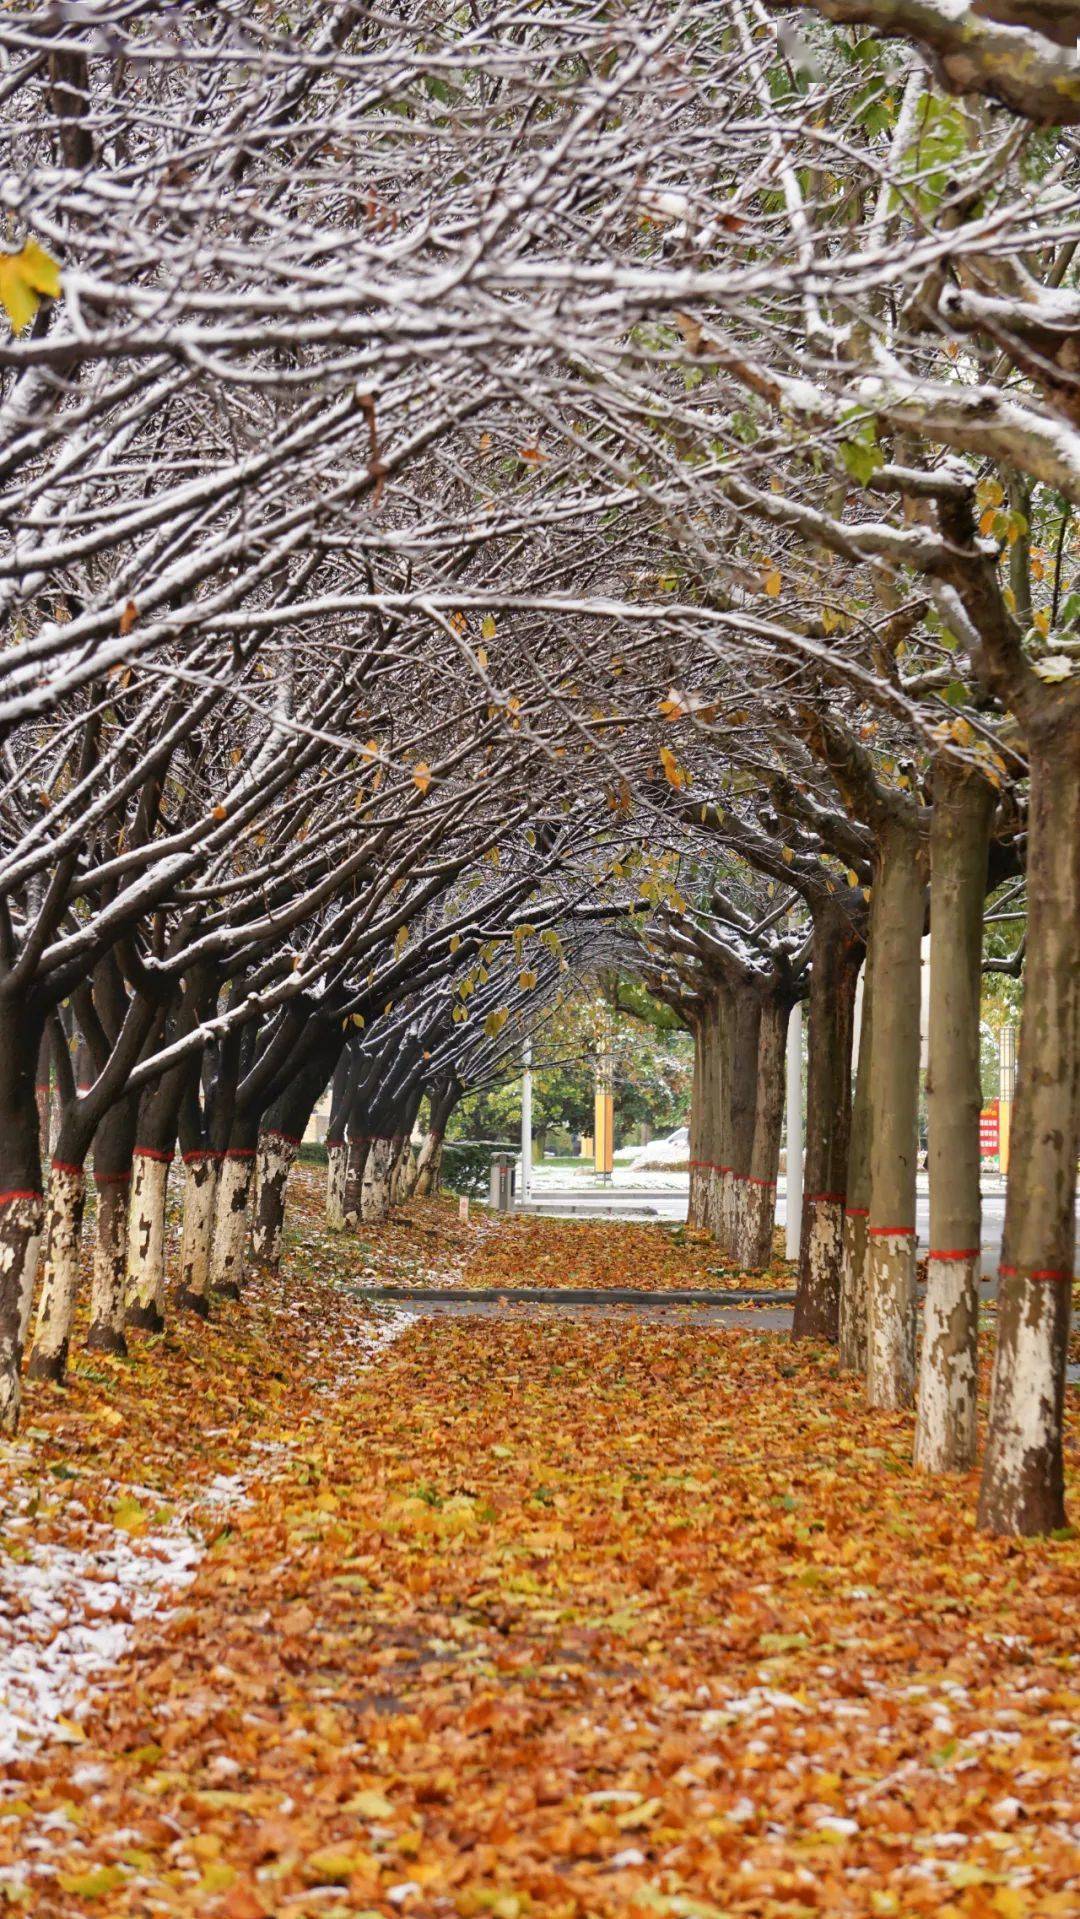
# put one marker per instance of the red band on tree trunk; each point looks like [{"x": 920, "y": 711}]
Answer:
[
  {"x": 891, "y": 1232},
  {"x": 240, "y": 1152},
  {"x": 154, "y": 1152},
  {"x": 290, "y": 1139},
  {"x": 201, "y": 1152},
  {"x": 113, "y": 1179},
  {"x": 64, "y": 1166},
  {"x": 826, "y": 1199},
  {"x": 333, "y": 1142},
  {"x": 1035, "y": 1272},
  {"x": 752, "y": 1179},
  {"x": 963, "y": 1252},
  {"x": 18, "y": 1192}
]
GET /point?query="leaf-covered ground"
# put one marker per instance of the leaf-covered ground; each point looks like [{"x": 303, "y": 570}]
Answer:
[
  {"x": 425, "y": 1244},
  {"x": 550, "y": 1617}
]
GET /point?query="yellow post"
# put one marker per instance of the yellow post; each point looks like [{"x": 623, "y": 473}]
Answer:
[
  {"x": 604, "y": 1104},
  {"x": 604, "y": 1129}
]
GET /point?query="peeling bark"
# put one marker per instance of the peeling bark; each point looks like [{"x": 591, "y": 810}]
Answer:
[
  {"x": 277, "y": 1153},
  {"x": 231, "y": 1222},
  {"x": 106, "y": 1330},
  {"x": 60, "y": 1274},
  {"x": 145, "y": 1289},
  {"x": 335, "y": 1185},
  {"x": 1023, "y": 1475},
  {"x": 375, "y": 1191},
  {"x": 21, "y": 1216},
  {"x": 201, "y": 1170}
]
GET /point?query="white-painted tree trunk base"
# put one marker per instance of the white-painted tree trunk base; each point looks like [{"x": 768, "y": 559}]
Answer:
[
  {"x": 230, "y": 1225},
  {"x": 945, "y": 1429},
  {"x": 106, "y": 1332},
  {"x": 375, "y": 1192},
  {"x": 145, "y": 1291},
  {"x": 196, "y": 1245},
  {"x": 853, "y": 1295},
  {"x": 60, "y": 1277},
  {"x": 890, "y": 1365},
  {"x": 1026, "y": 1414},
  {"x": 20, "y": 1246},
  {"x": 335, "y": 1188},
  {"x": 276, "y": 1157}
]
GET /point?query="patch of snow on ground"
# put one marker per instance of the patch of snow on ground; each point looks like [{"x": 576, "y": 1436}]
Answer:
[{"x": 66, "y": 1615}]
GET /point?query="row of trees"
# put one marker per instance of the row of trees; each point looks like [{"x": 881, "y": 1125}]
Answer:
[{"x": 596, "y": 480}]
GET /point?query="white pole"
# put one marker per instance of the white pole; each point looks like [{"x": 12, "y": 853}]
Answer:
[
  {"x": 526, "y": 1123},
  {"x": 793, "y": 1213}
]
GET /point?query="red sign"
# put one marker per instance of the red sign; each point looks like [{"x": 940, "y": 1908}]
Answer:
[{"x": 989, "y": 1140}]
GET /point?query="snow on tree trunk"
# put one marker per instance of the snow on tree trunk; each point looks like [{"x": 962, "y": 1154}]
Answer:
[
  {"x": 1023, "y": 1477},
  {"x": 854, "y": 1305},
  {"x": 201, "y": 1172},
  {"x": 60, "y": 1274},
  {"x": 21, "y": 1217},
  {"x": 106, "y": 1331},
  {"x": 335, "y": 1185},
  {"x": 231, "y": 1222},
  {"x": 895, "y": 958},
  {"x": 375, "y": 1191},
  {"x": 277, "y": 1152},
  {"x": 145, "y": 1287},
  {"x": 945, "y": 1431}
]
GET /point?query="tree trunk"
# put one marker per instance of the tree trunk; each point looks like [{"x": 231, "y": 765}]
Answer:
[
  {"x": 335, "y": 1185},
  {"x": 894, "y": 1092},
  {"x": 113, "y": 1143},
  {"x": 945, "y": 1431},
  {"x": 836, "y": 950},
  {"x": 277, "y": 1152},
  {"x": 356, "y": 1155},
  {"x": 740, "y": 1058},
  {"x": 60, "y": 1274},
  {"x": 21, "y": 1206},
  {"x": 43, "y": 1093},
  {"x": 854, "y": 1303},
  {"x": 201, "y": 1173},
  {"x": 375, "y": 1191},
  {"x": 1023, "y": 1480},
  {"x": 697, "y": 1201},
  {"x": 227, "y": 1257},
  {"x": 758, "y": 1190},
  {"x": 145, "y": 1290}
]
